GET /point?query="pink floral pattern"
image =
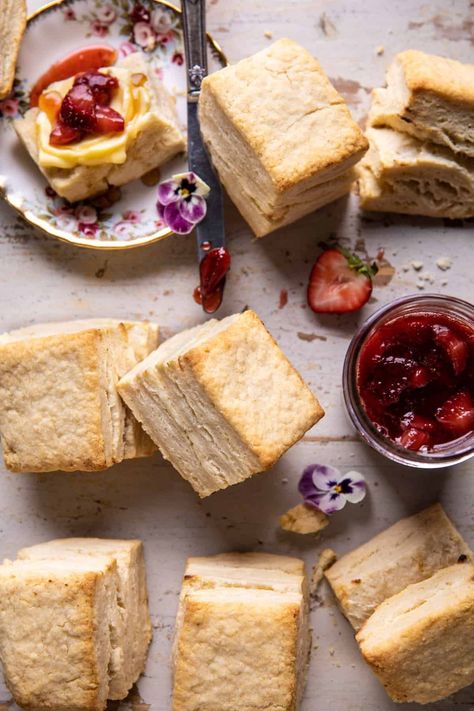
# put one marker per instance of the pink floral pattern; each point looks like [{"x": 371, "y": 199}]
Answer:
[
  {"x": 147, "y": 26},
  {"x": 88, "y": 221}
]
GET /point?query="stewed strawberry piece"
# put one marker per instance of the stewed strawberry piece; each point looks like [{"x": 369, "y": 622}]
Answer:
[
  {"x": 101, "y": 85},
  {"x": 78, "y": 108},
  {"x": 457, "y": 413},
  {"x": 107, "y": 120},
  {"x": 62, "y": 134}
]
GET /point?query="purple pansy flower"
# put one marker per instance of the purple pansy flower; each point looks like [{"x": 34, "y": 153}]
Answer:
[
  {"x": 327, "y": 489},
  {"x": 181, "y": 202}
]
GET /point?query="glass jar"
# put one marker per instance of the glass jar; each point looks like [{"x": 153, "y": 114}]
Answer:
[{"x": 442, "y": 455}]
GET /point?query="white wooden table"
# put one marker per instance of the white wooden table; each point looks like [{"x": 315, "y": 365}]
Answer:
[{"x": 44, "y": 280}]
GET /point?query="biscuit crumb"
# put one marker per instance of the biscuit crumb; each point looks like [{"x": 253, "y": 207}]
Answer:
[
  {"x": 268, "y": 34},
  {"x": 303, "y": 519},
  {"x": 379, "y": 50},
  {"x": 444, "y": 263},
  {"x": 325, "y": 560},
  {"x": 426, "y": 276},
  {"x": 332, "y": 651},
  {"x": 444, "y": 282},
  {"x": 417, "y": 265}
]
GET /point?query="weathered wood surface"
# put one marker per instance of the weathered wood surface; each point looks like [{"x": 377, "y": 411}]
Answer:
[{"x": 42, "y": 280}]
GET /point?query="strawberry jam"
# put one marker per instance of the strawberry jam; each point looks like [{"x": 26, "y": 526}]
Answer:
[
  {"x": 85, "y": 109},
  {"x": 212, "y": 272},
  {"x": 415, "y": 378}
]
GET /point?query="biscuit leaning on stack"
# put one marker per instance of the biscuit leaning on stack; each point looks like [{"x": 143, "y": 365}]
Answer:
[
  {"x": 409, "y": 594},
  {"x": 86, "y": 596},
  {"x": 279, "y": 134},
  {"x": 59, "y": 407},
  {"x": 221, "y": 401},
  {"x": 409, "y": 551},
  {"x": 249, "y": 611},
  {"x": 421, "y": 135}
]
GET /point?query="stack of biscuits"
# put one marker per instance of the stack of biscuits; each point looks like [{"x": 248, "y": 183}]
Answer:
[
  {"x": 421, "y": 135},
  {"x": 242, "y": 635},
  {"x": 74, "y": 623},
  {"x": 409, "y": 595}
]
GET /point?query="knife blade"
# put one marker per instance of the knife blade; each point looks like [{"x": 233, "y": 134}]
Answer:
[{"x": 210, "y": 232}]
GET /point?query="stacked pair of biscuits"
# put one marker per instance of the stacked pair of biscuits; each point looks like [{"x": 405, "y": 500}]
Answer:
[
  {"x": 59, "y": 405},
  {"x": 409, "y": 595},
  {"x": 242, "y": 638},
  {"x": 74, "y": 623},
  {"x": 421, "y": 135},
  {"x": 221, "y": 401},
  {"x": 279, "y": 134}
]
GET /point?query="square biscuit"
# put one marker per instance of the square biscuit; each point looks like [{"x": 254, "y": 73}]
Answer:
[
  {"x": 279, "y": 134},
  {"x": 55, "y": 642},
  {"x": 132, "y": 625},
  {"x": 221, "y": 401},
  {"x": 409, "y": 551},
  {"x": 405, "y": 175},
  {"x": 429, "y": 97},
  {"x": 420, "y": 642},
  {"x": 242, "y": 638},
  {"x": 59, "y": 407}
]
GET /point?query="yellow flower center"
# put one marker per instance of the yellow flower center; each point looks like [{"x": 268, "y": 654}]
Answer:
[
  {"x": 184, "y": 192},
  {"x": 338, "y": 489}
]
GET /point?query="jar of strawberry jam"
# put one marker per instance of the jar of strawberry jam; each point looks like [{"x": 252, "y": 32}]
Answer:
[{"x": 409, "y": 381}]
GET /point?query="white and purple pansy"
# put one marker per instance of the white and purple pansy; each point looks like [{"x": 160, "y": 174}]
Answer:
[
  {"x": 325, "y": 488},
  {"x": 182, "y": 202}
]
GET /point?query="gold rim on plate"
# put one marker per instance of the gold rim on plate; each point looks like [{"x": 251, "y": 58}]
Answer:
[{"x": 29, "y": 217}]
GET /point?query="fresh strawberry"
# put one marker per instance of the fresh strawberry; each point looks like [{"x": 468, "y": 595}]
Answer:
[
  {"x": 457, "y": 413},
  {"x": 455, "y": 348},
  {"x": 107, "y": 120},
  {"x": 339, "y": 282}
]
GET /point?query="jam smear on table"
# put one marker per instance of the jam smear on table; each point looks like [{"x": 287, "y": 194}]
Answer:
[
  {"x": 415, "y": 377},
  {"x": 85, "y": 109},
  {"x": 86, "y": 59},
  {"x": 212, "y": 271}
]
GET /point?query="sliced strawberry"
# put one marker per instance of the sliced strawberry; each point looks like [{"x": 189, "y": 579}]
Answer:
[
  {"x": 425, "y": 424},
  {"x": 108, "y": 120},
  {"x": 457, "y": 413},
  {"x": 62, "y": 135},
  {"x": 339, "y": 283},
  {"x": 414, "y": 439},
  {"x": 455, "y": 348}
]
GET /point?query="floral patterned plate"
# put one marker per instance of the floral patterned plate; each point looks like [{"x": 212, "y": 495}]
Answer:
[{"x": 124, "y": 217}]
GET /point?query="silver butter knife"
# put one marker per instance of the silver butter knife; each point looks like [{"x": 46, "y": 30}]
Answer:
[{"x": 210, "y": 232}]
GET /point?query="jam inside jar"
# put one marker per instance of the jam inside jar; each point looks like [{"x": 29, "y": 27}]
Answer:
[{"x": 415, "y": 378}]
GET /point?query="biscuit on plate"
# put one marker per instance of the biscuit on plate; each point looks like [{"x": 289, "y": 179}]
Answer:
[
  {"x": 280, "y": 136},
  {"x": 132, "y": 630},
  {"x": 12, "y": 27},
  {"x": 221, "y": 401},
  {"x": 250, "y": 611},
  {"x": 59, "y": 407},
  {"x": 430, "y": 97},
  {"x": 402, "y": 174},
  {"x": 409, "y": 551},
  {"x": 151, "y": 138},
  {"x": 420, "y": 642}
]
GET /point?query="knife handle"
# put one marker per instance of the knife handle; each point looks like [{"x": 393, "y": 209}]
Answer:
[{"x": 195, "y": 44}]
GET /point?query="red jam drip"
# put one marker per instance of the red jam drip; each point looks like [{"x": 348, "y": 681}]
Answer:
[
  {"x": 85, "y": 109},
  {"x": 87, "y": 59},
  {"x": 416, "y": 379},
  {"x": 212, "y": 270}
]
